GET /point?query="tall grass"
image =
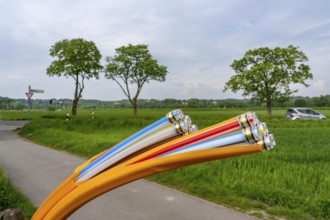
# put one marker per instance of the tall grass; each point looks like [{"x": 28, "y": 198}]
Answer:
[
  {"x": 82, "y": 134},
  {"x": 292, "y": 180},
  {"x": 10, "y": 197}
]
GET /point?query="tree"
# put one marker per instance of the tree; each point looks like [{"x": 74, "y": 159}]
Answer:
[
  {"x": 300, "y": 103},
  {"x": 78, "y": 59},
  {"x": 133, "y": 66},
  {"x": 18, "y": 105},
  {"x": 193, "y": 103},
  {"x": 266, "y": 74}
]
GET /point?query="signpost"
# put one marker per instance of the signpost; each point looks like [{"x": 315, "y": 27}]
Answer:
[
  {"x": 29, "y": 96},
  {"x": 36, "y": 91}
]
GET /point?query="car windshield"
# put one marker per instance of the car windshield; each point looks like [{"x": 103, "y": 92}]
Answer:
[{"x": 291, "y": 111}]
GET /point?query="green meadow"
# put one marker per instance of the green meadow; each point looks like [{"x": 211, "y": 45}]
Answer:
[{"x": 291, "y": 181}]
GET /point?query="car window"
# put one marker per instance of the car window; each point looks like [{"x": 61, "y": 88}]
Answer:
[
  {"x": 314, "y": 112},
  {"x": 310, "y": 112},
  {"x": 303, "y": 111}
]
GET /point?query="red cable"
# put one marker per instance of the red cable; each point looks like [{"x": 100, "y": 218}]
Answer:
[{"x": 191, "y": 139}]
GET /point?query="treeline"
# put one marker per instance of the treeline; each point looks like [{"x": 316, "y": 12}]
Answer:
[
  {"x": 55, "y": 104},
  {"x": 11, "y": 104}
]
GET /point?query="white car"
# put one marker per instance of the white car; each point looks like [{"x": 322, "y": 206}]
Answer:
[{"x": 303, "y": 113}]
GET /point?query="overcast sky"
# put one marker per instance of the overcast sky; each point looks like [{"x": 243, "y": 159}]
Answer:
[{"x": 196, "y": 40}]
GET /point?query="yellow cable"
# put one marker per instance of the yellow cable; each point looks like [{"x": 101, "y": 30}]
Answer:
[
  {"x": 69, "y": 185},
  {"x": 118, "y": 176}
]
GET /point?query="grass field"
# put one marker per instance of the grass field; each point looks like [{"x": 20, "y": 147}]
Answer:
[
  {"x": 292, "y": 180},
  {"x": 10, "y": 197}
]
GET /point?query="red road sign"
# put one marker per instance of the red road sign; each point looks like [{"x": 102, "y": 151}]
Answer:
[{"x": 29, "y": 95}]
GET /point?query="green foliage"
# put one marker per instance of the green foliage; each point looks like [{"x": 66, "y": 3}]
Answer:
[
  {"x": 6, "y": 103},
  {"x": 133, "y": 64},
  {"x": 78, "y": 59},
  {"x": 300, "y": 103},
  {"x": 11, "y": 198},
  {"x": 266, "y": 74},
  {"x": 83, "y": 135},
  {"x": 51, "y": 108},
  {"x": 75, "y": 57},
  {"x": 62, "y": 104},
  {"x": 18, "y": 106}
]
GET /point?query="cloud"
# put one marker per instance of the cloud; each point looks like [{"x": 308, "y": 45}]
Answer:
[
  {"x": 196, "y": 40},
  {"x": 319, "y": 85}
]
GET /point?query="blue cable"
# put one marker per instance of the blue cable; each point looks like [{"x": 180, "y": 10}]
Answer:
[
  {"x": 134, "y": 137},
  {"x": 207, "y": 142}
]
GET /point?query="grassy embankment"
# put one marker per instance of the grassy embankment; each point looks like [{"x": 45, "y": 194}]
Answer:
[
  {"x": 10, "y": 197},
  {"x": 293, "y": 180}
]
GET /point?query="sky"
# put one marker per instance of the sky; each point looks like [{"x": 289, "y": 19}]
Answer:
[{"x": 196, "y": 40}]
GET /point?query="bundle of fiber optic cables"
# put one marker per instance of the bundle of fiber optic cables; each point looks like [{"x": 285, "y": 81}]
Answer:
[{"x": 169, "y": 143}]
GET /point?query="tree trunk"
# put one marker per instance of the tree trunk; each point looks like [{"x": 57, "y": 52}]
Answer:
[
  {"x": 269, "y": 109},
  {"x": 135, "y": 109},
  {"x": 76, "y": 97},
  {"x": 74, "y": 106}
]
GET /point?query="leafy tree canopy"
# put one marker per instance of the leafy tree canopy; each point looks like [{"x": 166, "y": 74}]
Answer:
[
  {"x": 76, "y": 58},
  {"x": 266, "y": 74},
  {"x": 134, "y": 65}
]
